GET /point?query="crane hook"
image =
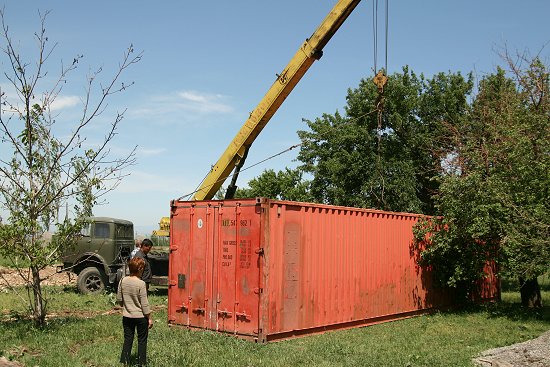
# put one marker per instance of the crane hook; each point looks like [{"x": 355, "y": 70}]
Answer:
[{"x": 380, "y": 80}]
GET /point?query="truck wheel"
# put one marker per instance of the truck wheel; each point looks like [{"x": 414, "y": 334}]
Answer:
[
  {"x": 120, "y": 273},
  {"x": 90, "y": 280}
]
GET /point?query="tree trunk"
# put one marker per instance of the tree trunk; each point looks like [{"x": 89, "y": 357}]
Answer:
[
  {"x": 530, "y": 293},
  {"x": 39, "y": 306}
]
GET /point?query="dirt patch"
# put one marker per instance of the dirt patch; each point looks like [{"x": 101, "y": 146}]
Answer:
[
  {"x": 11, "y": 277},
  {"x": 5, "y": 363},
  {"x": 532, "y": 353}
]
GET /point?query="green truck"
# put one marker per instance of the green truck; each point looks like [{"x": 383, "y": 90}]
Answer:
[{"x": 100, "y": 255}]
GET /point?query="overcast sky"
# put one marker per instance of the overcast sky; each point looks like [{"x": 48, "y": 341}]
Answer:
[{"x": 206, "y": 65}]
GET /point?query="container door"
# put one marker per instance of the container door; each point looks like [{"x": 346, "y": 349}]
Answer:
[
  {"x": 178, "y": 267},
  {"x": 191, "y": 247},
  {"x": 200, "y": 253},
  {"x": 238, "y": 260}
]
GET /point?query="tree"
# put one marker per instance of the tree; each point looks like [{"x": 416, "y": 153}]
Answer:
[
  {"x": 385, "y": 159},
  {"x": 283, "y": 185},
  {"x": 494, "y": 198},
  {"x": 46, "y": 171}
]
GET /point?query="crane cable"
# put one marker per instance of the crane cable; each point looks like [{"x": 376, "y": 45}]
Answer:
[
  {"x": 380, "y": 79},
  {"x": 188, "y": 195},
  {"x": 375, "y": 35},
  {"x": 243, "y": 169}
]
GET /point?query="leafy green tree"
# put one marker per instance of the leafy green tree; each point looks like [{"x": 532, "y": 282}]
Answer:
[
  {"x": 284, "y": 185},
  {"x": 43, "y": 172},
  {"x": 385, "y": 158},
  {"x": 494, "y": 197}
]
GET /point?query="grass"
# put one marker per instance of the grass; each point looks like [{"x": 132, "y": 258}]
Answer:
[{"x": 85, "y": 332}]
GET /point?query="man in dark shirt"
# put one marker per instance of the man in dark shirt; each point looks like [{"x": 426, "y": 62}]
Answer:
[{"x": 146, "y": 246}]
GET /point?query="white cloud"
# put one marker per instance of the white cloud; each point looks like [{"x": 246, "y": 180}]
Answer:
[
  {"x": 204, "y": 103},
  {"x": 187, "y": 104},
  {"x": 62, "y": 102},
  {"x": 150, "y": 152}
]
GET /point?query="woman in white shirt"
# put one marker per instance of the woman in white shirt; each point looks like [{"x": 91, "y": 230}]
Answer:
[{"x": 136, "y": 312}]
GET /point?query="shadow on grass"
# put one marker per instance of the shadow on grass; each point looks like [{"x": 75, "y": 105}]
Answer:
[
  {"x": 22, "y": 324},
  {"x": 502, "y": 309}
]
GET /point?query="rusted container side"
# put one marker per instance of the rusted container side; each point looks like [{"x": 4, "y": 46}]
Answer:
[{"x": 267, "y": 269}]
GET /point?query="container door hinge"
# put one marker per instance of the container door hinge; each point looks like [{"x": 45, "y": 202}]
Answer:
[
  {"x": 257, "y": 331},
  {"x": 260, "y": 251},
  {"x": 258, "y": 290}
]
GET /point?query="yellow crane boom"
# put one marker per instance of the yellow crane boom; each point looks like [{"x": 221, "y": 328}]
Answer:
[{"x": 311, "y": 50}]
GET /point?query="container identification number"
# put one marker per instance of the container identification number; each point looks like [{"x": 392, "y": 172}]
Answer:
[{"x": 233, "y": 222}]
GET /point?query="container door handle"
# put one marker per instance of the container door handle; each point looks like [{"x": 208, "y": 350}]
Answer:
[
  {"x": 242, "y": 315},
  {"x": 182, "y": 308},
  {"x": 199, "y": 310},
  {"x": 225, "y": 314}
]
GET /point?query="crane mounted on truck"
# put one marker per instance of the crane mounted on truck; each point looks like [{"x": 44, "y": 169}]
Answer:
[{"x": 232, "y": 159}]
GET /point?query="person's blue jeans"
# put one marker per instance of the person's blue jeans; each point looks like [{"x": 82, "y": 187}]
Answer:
[{"x": 130, "y": 325}]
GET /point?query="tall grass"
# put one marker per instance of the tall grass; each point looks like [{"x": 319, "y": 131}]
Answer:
[{"x": 86, "y": 332}]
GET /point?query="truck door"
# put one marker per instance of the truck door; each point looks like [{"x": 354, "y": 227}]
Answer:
[{"x": 101, "y": 240}]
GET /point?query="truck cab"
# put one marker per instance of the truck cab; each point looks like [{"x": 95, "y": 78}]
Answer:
[{"x": 100, "y": 253}]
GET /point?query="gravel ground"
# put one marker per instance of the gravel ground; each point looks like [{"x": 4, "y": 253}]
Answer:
[{"x": 532, "y": 353}]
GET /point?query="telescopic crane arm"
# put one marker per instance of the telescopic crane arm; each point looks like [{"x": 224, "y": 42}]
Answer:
[{"x": 311, "y": 50}]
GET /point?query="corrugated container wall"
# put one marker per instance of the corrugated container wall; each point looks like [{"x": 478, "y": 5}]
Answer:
[{"x": 267, "y": 269}]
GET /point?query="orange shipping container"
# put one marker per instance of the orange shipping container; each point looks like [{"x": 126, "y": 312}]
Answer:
[{"x": 268, "y": 269}]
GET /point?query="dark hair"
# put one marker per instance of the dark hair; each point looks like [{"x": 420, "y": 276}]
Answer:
[
  {"x": 136, "y": 264},
  {"x": 146, "y": 243}
]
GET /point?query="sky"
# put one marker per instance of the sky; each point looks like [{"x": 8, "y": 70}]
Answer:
[{"x": 207, "y": 64}]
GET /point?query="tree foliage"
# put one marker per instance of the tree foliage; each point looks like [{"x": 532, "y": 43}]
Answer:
[
  {"x": 283, "y": 185},
  {"x": 479, "y": 162},
  {"x": 494, "y": 199},
  {"x": 43, "y": 169},
  {"x": 385, "y": 161}
]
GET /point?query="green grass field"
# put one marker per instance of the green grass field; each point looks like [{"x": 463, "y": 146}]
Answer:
[{"x": 85, "y": 331}]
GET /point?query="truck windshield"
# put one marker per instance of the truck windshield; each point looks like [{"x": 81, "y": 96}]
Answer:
[{"x": 124, "y": 231}]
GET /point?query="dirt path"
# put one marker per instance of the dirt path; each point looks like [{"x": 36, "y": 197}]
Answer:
[
  {"x": 9, "y": 276},
  {"x": 5, "y": 363}
]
